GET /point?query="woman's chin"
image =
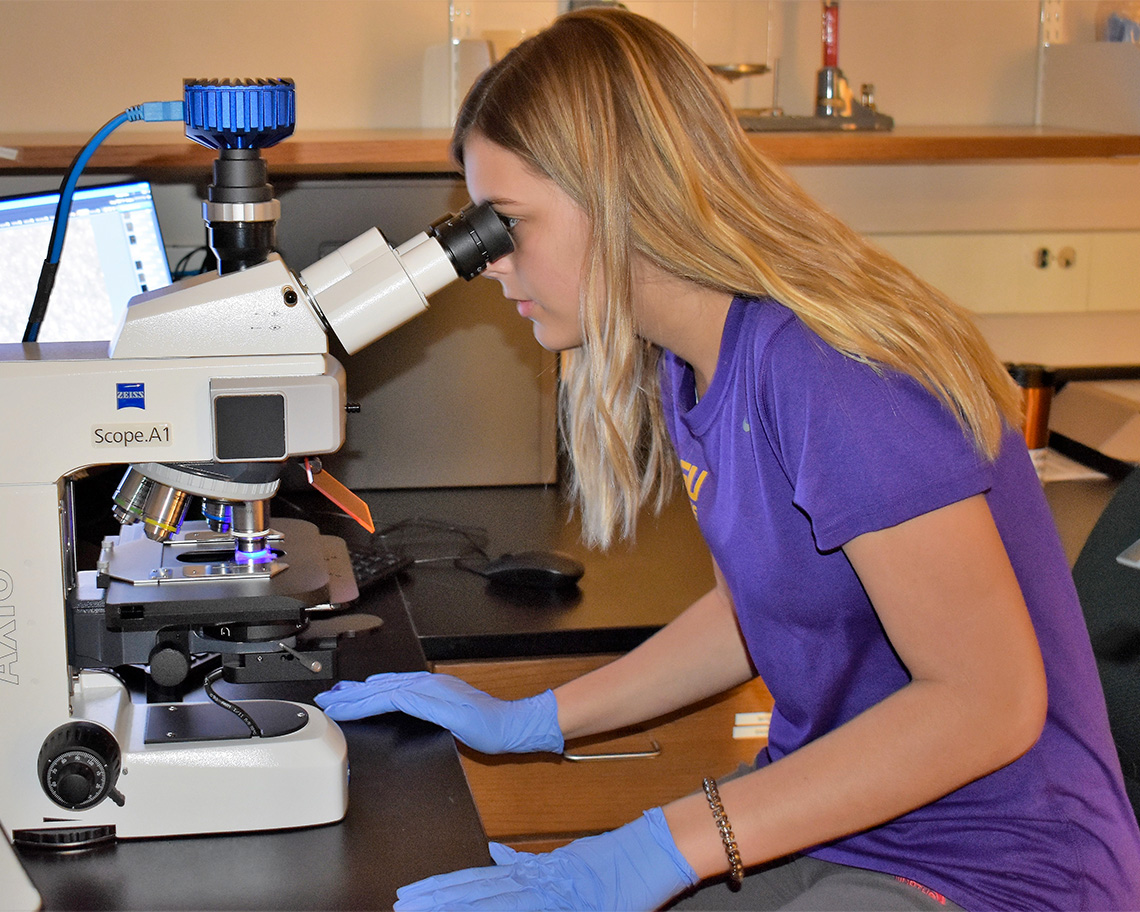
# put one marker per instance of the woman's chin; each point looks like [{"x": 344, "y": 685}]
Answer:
[{"x": 553, "y": 341}]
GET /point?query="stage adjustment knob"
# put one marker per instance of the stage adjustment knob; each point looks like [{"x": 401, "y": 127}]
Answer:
[{"x": 79, "y": 765}]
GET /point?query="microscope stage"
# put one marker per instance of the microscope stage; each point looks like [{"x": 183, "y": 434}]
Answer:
[{"x": 195, "y": 579}]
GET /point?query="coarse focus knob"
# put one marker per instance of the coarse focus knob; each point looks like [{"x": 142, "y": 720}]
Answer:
[{"x": 79, "y": 765}]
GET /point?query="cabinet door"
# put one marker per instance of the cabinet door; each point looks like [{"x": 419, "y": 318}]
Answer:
[
  {"x": 537, "y": 801},
  {"x": 1000, "y": 272}
]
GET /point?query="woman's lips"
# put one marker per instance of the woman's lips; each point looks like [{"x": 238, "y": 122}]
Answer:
[{"x": 525, "y": 308}]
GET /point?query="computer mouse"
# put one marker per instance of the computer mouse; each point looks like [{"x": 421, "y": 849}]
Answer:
[{"x": 534, "y": 569}]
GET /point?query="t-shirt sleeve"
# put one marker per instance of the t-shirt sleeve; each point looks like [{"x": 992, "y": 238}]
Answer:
[{"x": 864, "y": 448}]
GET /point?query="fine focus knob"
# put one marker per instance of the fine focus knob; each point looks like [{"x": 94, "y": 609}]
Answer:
[{"x": 79, "y": 765}]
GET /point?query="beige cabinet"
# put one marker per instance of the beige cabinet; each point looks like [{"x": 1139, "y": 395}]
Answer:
[
  {"x": 1025, "y": 272},
  {"x": 537, "y": 801}
]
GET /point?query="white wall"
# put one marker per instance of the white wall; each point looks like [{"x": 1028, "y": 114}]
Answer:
[
  {"x": 932, "y": 62},
  {"x": 69, "y": 65}
]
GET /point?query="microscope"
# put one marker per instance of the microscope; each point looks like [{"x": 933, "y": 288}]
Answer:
[{"x": 209, "y": 388}]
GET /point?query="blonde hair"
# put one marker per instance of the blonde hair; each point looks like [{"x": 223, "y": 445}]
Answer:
[{"x": 629, "y": 123}]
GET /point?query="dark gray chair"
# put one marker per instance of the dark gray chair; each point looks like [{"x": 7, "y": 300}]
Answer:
[{"x": 1110, "y": 597}]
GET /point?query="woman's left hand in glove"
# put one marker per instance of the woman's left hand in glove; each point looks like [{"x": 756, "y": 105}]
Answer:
[{"x": 635, "y": 867}]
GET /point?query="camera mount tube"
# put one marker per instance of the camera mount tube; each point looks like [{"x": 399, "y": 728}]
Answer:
[{"x": 238, "y": 118}]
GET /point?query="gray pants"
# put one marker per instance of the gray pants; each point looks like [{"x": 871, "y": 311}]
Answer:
[{"x": 810, "y": 885}]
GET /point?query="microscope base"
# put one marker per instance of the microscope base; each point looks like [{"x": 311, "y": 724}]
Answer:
[{"x": 175, "y": 783}]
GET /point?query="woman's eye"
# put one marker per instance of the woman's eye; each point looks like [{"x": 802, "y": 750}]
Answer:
[{"x": 509, "y": 222}]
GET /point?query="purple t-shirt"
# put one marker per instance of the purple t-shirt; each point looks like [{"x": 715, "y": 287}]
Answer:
[{"x": 795, "y": 450}]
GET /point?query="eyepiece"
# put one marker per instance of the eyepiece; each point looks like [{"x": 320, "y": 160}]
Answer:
[{"x": 473, "y": 239}]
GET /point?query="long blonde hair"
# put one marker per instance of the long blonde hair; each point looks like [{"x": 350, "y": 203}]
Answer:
[{"x": 629, "y": 123}]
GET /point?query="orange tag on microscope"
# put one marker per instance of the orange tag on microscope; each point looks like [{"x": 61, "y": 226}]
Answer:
[{"x": 340, "y": 495}]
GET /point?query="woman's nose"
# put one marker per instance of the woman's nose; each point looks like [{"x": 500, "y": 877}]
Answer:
[{"x": 498, "y": 268}]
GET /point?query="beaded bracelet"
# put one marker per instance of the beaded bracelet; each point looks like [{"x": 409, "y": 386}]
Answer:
[{"x": 736, "y": 869}]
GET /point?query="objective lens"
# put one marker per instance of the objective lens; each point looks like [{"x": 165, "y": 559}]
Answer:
[
  {"x": 218, "y": 514},
  {"x": 164, "y": 512},
  {"x": 251, "y": 531},
  {"x": 130, "y": 496}
]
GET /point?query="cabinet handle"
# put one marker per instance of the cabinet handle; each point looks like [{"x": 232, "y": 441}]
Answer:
[{"x": 654, "y": 751}]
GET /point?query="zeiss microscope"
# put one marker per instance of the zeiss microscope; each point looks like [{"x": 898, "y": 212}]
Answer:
[{"x": 208, "y": 389}]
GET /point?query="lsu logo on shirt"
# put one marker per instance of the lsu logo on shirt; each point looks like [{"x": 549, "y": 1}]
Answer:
[{"x": 694, "y": 478}]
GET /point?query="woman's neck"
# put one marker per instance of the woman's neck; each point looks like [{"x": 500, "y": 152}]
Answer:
[{"x": 683, "y": 317}]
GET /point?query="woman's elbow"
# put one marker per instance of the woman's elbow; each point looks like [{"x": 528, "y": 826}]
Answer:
[{"x": 1022, "y": 710}]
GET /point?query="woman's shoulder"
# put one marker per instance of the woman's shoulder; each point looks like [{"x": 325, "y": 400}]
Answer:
[
  {"x": 773, "y": 333},
  {"x": 760, "y": 312}
]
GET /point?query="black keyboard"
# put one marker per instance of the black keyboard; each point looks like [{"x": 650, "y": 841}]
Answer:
[{"x": 371, "y": 566}]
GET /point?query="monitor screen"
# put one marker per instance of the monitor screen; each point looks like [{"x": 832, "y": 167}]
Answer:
[{"x": 112, "y": 251}]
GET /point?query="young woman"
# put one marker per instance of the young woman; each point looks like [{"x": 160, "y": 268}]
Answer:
[{"x": 885, "y": 559}]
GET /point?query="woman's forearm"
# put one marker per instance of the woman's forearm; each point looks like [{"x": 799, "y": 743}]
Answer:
[
  {"x": 697, "y": 655},
  {"x": 914, "y": 747}
]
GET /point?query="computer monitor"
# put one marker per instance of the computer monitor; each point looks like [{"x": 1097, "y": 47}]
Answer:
[{"x": 112, "y": 251}]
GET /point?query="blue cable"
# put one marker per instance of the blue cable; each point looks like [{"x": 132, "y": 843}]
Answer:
[
  {"x": 151, "y": 111},
  {"x": 63, "y": 208}
]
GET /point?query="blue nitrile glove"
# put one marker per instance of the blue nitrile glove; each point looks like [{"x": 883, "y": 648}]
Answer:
[
  {"x": 636, "y": 867},
  {"x": 479, "y": 720}
]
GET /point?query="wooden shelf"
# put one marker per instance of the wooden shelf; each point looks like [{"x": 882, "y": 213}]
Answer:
[
  {"x": 931, "y": 145},
  {"x": 154, "y": 152}
]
